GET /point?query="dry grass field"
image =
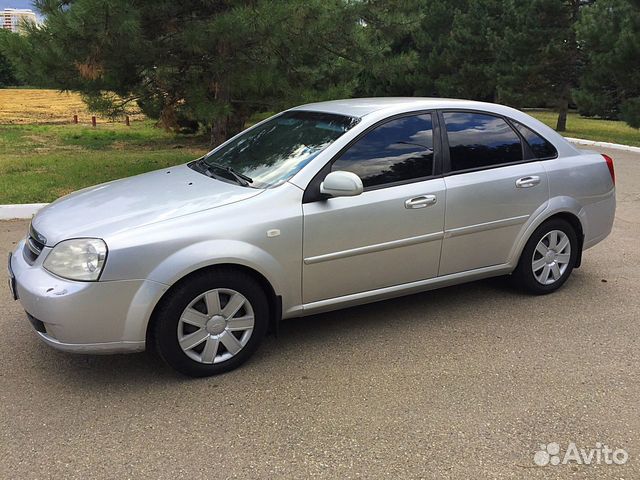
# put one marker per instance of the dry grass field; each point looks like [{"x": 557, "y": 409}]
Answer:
[{"x": 36, "y": 106}]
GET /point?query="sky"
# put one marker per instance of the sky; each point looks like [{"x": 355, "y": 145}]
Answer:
[{"x": 16, "y": 4}]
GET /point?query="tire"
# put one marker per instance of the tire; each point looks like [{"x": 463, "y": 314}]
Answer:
[
  {"x": 207, "y": 310},
  {"x": 534, "y": 265}
]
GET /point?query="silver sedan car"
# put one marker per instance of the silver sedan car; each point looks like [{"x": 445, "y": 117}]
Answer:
[{"x": 320, "y": 207}]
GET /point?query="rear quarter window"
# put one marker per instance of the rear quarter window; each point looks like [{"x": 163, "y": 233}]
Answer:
[{"x": 540, "y": 147}]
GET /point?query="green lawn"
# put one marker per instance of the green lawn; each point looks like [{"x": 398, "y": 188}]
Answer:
[
  {"x": 39, "y": 163},
  {"x": 592, "y": 128}
]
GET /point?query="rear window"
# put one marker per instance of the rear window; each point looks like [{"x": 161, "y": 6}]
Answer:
[
  {"x": 479, "y": 140},
  {"x": 540, "y": 147}
]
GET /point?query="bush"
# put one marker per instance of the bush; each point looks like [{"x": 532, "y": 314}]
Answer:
[{"x": 630, "y": 112}]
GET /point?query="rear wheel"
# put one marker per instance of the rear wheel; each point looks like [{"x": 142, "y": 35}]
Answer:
[
  {"x": 548, "y": 257},
  {"x": 211, "y": 323}
]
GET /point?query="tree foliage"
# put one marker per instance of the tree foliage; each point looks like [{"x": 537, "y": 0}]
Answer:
[
  {"x": 218, "y": 62},
  {"x": 7, "y": 73},
  {"x": 538, "y": 54},
  {"x": 610, "y": 82}
]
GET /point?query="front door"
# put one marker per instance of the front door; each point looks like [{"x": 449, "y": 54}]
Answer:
[{"x": 391, "y": 233}]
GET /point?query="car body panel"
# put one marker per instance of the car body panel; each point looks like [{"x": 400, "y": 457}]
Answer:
[
  {"x": 180, "y": 246},
  {"x": 372, "y": 232},
  {"x": 395, "y": 291},
  {"x": 585, "y": 181},
  {"x": 139, "y": 200},
  {"x": 79, "y": 316},
  {"x": 317, "y": 256},
  {"x": 486, "y": 213}
]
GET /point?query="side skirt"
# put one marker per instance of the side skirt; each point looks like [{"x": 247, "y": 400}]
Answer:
[{"x": 385, "y": 293}]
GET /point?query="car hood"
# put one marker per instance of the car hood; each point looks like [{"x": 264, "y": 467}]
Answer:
[{"x": 120, "y": 205}]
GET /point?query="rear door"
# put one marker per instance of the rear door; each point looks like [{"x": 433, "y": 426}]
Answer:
[
  {"x": 391, "y": 233},
  {"x": 494, "y": 184}
]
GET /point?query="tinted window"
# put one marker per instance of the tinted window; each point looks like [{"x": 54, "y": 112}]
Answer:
[
  {"x": 398, "y": 150},
  {"x": 539, "y": 146},
  {"x": 480, "y": 140}
]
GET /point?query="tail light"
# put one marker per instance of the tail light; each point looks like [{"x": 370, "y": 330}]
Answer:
[{"x": 609, "y": 161}]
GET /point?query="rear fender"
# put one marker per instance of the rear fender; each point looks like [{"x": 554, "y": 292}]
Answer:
[{"x": 555, "y": 206}]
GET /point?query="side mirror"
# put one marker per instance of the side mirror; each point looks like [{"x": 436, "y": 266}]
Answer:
[{"x": 341, "y": 184}]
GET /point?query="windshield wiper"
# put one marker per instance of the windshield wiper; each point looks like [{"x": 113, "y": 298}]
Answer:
[
  {"x": 240, "y": 178},
  {"x": 235, "y": 173}
]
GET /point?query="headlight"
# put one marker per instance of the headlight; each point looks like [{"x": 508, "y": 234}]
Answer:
[{"x": 79, "y": 259}]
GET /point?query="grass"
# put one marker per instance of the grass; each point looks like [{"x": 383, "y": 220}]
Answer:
[
  {"x": 592, "y": 128},
  {"x": 39, "y": 163}
]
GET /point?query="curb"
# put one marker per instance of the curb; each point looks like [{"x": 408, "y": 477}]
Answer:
[
  {"x": 593, "y": 143},
  {"x": 28, "y": 210},
  {"x": 24, "y": 210}
]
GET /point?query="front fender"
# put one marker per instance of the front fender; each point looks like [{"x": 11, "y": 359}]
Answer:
[{"x": 216, "y": 252}]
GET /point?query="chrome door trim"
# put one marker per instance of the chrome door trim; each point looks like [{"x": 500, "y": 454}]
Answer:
[
  {"x": 403, "y": 289},
  {"x": 481, "y": 227},
  {"x": 378, "y": 247}
]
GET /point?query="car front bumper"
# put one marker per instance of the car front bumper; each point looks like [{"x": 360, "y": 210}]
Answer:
[{"x": 84, "y": 317}]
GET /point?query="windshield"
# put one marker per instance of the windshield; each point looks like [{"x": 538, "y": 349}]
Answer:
[{"x": 273, "y": 152}]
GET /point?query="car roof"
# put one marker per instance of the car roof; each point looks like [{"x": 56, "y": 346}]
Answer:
[{"x": 360, "y": 107}]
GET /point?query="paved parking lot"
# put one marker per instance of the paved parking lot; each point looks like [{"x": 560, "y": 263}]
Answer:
[{"x": 465, "y": 382}]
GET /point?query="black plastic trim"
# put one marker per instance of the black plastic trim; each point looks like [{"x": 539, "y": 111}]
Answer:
[
  {"x": 276, "y": 315},
  {"x": 38, "y": 325}
]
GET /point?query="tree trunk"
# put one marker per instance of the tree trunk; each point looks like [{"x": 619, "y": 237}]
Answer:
[
  {"x": 236, "y": 121},
  {"x": 168, "y": 115},
  {"x": 220, "y": 127},
  {"x": 563, "y": 108},
  {"x": 222, "y": 95},
  {"x": 219, "y": 132},
  {"x": 571, "y": 63}
]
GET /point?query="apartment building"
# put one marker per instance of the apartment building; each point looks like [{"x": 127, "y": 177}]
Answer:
[{"x": 14, "y": 19}]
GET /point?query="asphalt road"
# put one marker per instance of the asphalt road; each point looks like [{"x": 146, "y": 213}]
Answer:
[{"x": 465, "y": 382}]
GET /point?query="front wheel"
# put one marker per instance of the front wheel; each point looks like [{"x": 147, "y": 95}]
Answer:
[
  {"x": 211, "y": 323},
  {"x": 548, "y": 257}
]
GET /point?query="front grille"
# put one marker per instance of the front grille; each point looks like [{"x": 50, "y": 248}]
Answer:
[{"x": 34, "y": 245}]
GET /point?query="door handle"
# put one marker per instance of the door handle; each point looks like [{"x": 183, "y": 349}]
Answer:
[
  {"x": 526, "y": 182},
  {"x": 420, "y": 202}
]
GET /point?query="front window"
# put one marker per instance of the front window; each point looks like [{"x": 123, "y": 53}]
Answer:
[
  {"x": 273, "y": 152},
  {"x": 400, "y": 150}
]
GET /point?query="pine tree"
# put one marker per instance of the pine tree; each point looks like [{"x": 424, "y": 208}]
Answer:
[
  {"x": 213, "y": 62},
  {"x": 609, "y": 33},
  {"x": 455, "y": 45},
  {"x": 384, "y": 49},
  {"x": 7, "y": 74},
  {"x": 538, "y": 56}
]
